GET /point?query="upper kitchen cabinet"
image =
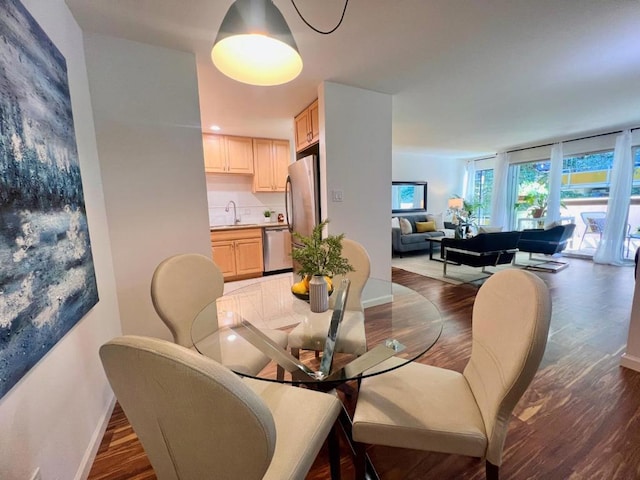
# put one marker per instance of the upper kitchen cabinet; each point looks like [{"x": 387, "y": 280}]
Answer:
[
  {"x": 227, "y": 154},
  {"x": 307, "y": 127},
  {"x": 271, "y": 160}
]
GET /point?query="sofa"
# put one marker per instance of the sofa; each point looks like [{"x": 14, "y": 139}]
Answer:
[
  {"x": 483, "y": 250},
  {"x": 415, "y": 241}
]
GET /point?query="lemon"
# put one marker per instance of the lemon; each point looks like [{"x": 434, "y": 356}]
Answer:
[{"x": 300, "y": 288}]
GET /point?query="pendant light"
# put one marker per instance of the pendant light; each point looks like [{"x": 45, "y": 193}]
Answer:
[{"x": 255, "y": 45}]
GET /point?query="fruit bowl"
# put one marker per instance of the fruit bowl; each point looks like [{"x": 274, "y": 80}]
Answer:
[{"x": 305, "y": 296}]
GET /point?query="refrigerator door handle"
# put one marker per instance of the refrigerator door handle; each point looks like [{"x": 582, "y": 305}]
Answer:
[{"x": 288, "y": 199}]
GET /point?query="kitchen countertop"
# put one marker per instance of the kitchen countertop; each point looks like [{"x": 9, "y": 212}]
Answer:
[{"x": 242, "y": 226}]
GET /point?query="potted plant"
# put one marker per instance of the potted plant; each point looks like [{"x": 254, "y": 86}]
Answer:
[
  {"x": 318, "y": 260},
  {"x": 267, "y": 215},
  {"x": 533, "y": 197}
]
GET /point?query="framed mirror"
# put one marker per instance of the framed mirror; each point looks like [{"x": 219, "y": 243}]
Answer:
[{"x": 408, "y": 197}]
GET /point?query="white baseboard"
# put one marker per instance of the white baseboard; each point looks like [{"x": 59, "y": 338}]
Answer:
[
  {"x": 631, "y": 362},
  {"x": 94, "y": 444}
]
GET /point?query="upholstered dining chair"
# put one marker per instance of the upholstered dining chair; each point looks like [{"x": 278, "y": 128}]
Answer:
[
  {"x": 423, "y": 407},
  {"x": 181, "y": 287},
  {"x": 196, "y": 419},
  {"x": 311, "y": 334}
]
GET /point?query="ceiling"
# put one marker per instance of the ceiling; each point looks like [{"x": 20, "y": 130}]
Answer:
[{"x": 468, "y": 77}]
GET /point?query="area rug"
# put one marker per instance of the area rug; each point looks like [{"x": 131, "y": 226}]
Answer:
[{"x": 456, "y": 274}]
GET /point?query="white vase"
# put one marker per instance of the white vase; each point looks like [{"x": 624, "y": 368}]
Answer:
[{"x": 318, "y": 294}]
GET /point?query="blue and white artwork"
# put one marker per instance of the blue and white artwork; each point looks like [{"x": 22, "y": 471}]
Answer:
[{"x": 47, "y": 278}]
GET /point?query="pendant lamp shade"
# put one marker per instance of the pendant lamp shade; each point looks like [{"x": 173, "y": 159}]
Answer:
[{"x": 255, "y": 45}]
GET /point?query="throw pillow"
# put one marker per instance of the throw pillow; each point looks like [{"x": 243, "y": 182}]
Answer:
[
  {"x": 405, "y": 226},
  {"x": 488, "y": 229},
  {"x": 395, "y": 223},
  {"x": 422, "y": 227},
  {"x": 438, "y": 218}
]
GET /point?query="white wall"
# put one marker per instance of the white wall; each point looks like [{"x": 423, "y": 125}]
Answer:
[
  {"x": 55, "y": 414},
  {"x": 444, "y": 177},
  {"x": 355, "y": 155},
  {"x": 147, "y": 118}
]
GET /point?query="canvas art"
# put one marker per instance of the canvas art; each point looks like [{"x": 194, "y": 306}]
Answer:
[{"x": 47, "y": 277}]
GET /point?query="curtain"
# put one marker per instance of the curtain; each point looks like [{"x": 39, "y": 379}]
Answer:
[
  {"x": 610, "y": 248},
  {"x": 469, "y": 181},
  {"x": 499, "y": 212},
  {"x": 555, "y": 183}
]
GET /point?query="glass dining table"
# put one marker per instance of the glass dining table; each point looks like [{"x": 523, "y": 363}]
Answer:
[{"x": 398, "y": 322}]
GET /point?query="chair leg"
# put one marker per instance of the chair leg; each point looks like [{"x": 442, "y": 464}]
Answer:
[
  {"x": 582, "y": 240},
  {"x": 360, "y": 460},
  {"x": 334, "y": 452},
  {"x": 280, "y": 373},
  {"x": 296, "y": 353},
  {"x": 493, "y": 471}
]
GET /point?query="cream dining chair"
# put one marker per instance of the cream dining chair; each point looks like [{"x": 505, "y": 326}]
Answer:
[
  {"x": 312, "y": 333},
  {"x": 198, "y": 420},
  {"x": 181, "y": 287},
  {"x": 423, "y": 407}
]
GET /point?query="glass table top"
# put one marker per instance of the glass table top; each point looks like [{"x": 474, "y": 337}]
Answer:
[{"x": 398, "y": 323}]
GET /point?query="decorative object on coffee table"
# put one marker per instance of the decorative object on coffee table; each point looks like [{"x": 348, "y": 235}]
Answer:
[{"x": 319, "y": 257}]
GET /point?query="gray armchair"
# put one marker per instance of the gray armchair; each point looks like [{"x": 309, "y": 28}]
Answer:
[{"x": 546, "y": 242}]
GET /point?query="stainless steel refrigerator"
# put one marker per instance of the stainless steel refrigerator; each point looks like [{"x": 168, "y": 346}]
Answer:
[{"x": 302, "y": 203}]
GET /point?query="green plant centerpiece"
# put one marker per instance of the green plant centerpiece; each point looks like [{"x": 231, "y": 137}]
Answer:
[{"x": 318, "y": 257}]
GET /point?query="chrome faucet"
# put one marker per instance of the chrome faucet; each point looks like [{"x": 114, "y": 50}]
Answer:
[{"x": 236, "y": 220}]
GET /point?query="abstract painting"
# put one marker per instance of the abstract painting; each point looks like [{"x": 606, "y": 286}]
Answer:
[{"x": 47, "y": 277}]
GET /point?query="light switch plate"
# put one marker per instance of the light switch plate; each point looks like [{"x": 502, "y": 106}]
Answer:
[{"x": 336, "y": 195}]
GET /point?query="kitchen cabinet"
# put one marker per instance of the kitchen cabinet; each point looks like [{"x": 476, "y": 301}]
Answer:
[
  {"x": 271, "y": 160},
  {"x": 238, "y": 252},
  {"x": 307, "y": 127},
  {"x": 227, "y": 154}
]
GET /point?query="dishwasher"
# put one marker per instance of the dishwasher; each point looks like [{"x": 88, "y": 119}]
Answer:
[{"x": 277, "y": 249}]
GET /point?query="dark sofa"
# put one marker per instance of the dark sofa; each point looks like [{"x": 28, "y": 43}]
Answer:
[
  {"x": 413, "y": 241},
  {"x": 483, "y": 250}
]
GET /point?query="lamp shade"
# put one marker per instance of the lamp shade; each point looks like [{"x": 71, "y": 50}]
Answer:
[
  {"x": 456, "y": 203},
  {"x": 255, "y": 45}
]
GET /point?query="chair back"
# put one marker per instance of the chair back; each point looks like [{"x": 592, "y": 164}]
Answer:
[
  {"x": 194, "y": 417},
  {"x": 594, "y": 221},
  {"x": 182, "y": 285},
  {"x": 358, "y": 257},
  {"x": 511, "y": 316}
]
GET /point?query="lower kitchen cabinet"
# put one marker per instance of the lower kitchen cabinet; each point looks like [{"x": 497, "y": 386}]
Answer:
[{"x": 238, "y": 252}]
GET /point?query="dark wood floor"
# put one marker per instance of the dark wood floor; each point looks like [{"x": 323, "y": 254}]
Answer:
[{"x": 580, "y": 419}]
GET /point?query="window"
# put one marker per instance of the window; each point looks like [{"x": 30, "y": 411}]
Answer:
[{"x": 482, "y": 191}]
